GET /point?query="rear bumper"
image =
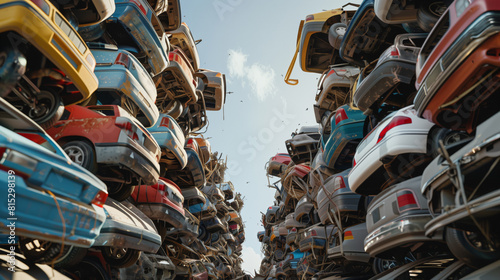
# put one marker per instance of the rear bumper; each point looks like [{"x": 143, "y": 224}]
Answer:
[
  {"x": 162, "y": 212},
  {"x": 381, "y": 80},
  {"x": 169, "y": 143},
  {"x": 122, "y": 81},
  {"x": 127, "y": 227},
  {"x": 402, "y": 231},
  {"x": 37, "y": 216},
  {"x": 119, "y": 154}
]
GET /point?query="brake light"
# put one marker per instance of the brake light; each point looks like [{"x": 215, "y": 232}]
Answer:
[
  {"x": 348, "y": 235},
  {"x": 291, "y": 257},
  {"x": 338, "y": 183},
  {"x": 309, "y": 17},
  {"x": 165, "y": 122},
  {"x": 353, "y": 162},
  {"x": 407, "y": 200},
  {"x": 140, "y": 6},
  {"x": 123, "y": 59},
  {"x": 330, "y": 73},
  {"x": 293, "y": 230},
  {"x": 191, "y": 144},
  {"x": 394, "y": 52},
  {"x": 313, "y": 233},
  {"x": 100, "y": 199},
  {"x": 127, "y": 126},
  {"x": 270, "y": 208},
  {"x": 396, "y": 121},
  {"x": 42, "y": 5},
  {"x": 340, "y": 115}
]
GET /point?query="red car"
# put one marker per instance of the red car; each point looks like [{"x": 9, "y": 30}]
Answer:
[
  {"x": 162, "y": 203},
  {"x": 111, "y": 143},
  {"x": 457, "y": 68}
]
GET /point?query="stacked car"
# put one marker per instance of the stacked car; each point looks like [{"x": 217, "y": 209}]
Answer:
[
  {"x": 397, "y": 182},
  {"x": 106, "y": 98}
]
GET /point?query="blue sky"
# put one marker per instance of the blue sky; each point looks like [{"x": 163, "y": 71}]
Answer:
[{"x": 253, "y": 42}]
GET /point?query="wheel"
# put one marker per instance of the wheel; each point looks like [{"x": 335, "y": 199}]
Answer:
[
  {"x": 448, "y": 137},
  {"x": 471, "y": 247},
  {"x": 120, "y": 257},
  {"x": 48, "y": 111},
  {"x": 119, "y": 191},
  {"x": 45, "y": 252},
  {"x": 81, "y": 153},
  {"x": 429, "y": 13},
  {"x": 336, "y": 34},
  {"x": 90, "y": 269},
  {"x": 381, "y": 265}
]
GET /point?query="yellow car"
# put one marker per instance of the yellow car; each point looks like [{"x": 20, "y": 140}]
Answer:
[
  {"x": 318, "y": 41},
  {"x": 47, "y": 64}
]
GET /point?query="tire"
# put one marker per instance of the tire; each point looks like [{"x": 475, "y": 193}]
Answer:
[
  {"x": 119, "y": 191},
  {"x": 336, "y": 34},
  {"x": 49, "y": 109},
  {"x": 81, "y": 153},
  {"x": 380, "y": 265},
  {"x": 448, "y": 137},
  {"x": 38, "y": 251},
  {"x": 429, "y": 13},
  {"x": 468, "y": 247},
  {"x": 90, "y": 269},
  {"x": 120, "y": 257}
]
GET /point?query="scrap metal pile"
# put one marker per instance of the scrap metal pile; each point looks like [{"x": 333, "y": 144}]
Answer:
[
  {"x": 399, "y": 179},
  {"x": 107, "y": 173}
]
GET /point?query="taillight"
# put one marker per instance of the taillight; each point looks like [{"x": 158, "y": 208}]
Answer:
[
  {"x": 122, "y": 59},
  {"x": 339, "y": 183},
  {"x": 309, "y": 17},
  {"x": 165, "y": 122},
  {"x": 293, "y": 230},
  {"x": 394, "y": 52},
  {"x": 291, "y": 257},
  {"x": 407, "y": 200},
  {"x": 140, "y": 6},
  {"x": 313, "y": 232},
  {"x": 348, "y": 235},
  {"x": 127, "y": 126},
  {"x": 340, "y": 115},
  {"x": 191, "y": 144},
  {"x": 100, "y": 199},
  {"x": 42, "y": 5},
  {"x": 270, "y": 208},
  {"x": 330, "y": 73},
  {"x": 396, "y": 121},
  {"x": 353, "y": 162}
]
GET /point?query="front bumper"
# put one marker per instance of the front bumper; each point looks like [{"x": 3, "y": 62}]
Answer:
[
  {"x": 142, "y": 165},
  {"x": 122, "y": 81},
  {"x": 47, "y": 36}
]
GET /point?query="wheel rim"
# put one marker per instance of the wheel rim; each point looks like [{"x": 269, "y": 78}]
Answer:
[
  {"x": 340, "y": 31},
  {"x": 76, "y": 154},
  {"x": 117, "y": 253},
  {"x": 46, "y": 104},
  {"x": 437, "y": 8},
  {"x": 478, "y": 241},
  {"x": 38, "y": 246}
]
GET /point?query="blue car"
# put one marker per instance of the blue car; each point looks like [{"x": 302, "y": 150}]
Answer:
[
  {"x": 171, "y": 140},
  {"x": 134, "y": 26},
  {"x": 292, "y": 262},
  {"x": 124, "y": 81},
  {"x": 53, "y": 199},
  {"x": 367, "y": 36},
  {"x": 341, "y": 136}
]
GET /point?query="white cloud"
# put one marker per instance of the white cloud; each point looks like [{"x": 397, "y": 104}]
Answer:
[
  {"x": 260, "y": 77},
  {"x": 236, "y": 63},
  {"x": 261, "y": 80},
  {"x": 251, "y": 260}
]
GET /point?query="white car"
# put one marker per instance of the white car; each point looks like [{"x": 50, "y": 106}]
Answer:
[{"x": 395, "y": 149}]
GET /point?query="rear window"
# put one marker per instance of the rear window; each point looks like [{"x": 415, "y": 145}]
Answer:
[
  {"x": 104, "y": 111},
  {"x": 437, "y": 33}
]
